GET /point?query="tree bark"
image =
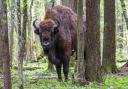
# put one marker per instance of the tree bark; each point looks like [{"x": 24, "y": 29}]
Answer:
[
  {"x": 30, "y": 34},
  {"x": 24, "y": 32},
  {"x": 124, "y": 12},
  {"x": 80, "y": 44},
  {"x": 12, "y": 17},
  {"x": 109, "y": 44},
  {"x": 4, "y": 44},
  {"x": 93, "y": 57},
  {"x": 120, "y": 39},
  {"x": 20, "y": 53},
  {"x": 126, "y": 20},
  {"x": 1, "y": 63},
  {"x": 71, "y": 4}
]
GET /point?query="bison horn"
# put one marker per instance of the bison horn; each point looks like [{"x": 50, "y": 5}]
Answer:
[
  {"x": 56, "y": 25},
  {"x": 36, "y": 26},
  {"x": 36, "y": 23}
]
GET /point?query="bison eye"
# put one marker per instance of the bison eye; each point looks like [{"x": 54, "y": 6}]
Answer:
[{"x": 56, "y": 30}]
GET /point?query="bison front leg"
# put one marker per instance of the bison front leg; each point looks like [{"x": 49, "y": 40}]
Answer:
[
  {"x": 52, "y": 57},
  {"x": 58, "y": 69},
  {"x": 66, "y": 67}
]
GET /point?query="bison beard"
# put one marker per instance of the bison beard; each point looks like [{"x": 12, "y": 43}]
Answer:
[{"x": 58, "y": 36}]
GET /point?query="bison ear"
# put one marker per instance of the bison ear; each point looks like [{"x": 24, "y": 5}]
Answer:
[
  {"x": 56, "y": 27},
  {"x": 36, "y": 26}
]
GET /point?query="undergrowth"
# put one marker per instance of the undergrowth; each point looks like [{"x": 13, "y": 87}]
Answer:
[{"x": 36, "y": 76}]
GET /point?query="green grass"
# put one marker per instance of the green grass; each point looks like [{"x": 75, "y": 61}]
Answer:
[
  {"x": 36, "y": 76},
  {"x": 117, "y": 82}
]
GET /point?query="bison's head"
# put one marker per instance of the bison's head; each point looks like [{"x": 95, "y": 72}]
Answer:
[{"x": 46, "y": 30}]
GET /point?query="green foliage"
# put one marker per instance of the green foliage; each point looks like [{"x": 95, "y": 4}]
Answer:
[
  {"x": 36, "y": 77},
  {"x": 117, "y": 82}
]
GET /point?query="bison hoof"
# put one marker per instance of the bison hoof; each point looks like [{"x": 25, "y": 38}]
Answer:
[
  {"x": 66, "y": 80},
  {"x": 59, "y": 80}
]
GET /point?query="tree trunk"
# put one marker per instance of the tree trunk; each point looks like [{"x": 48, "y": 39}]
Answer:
[
  {"x": 93, "y": 57},
  {"x": 109, "y": 44},
  {"x": 120, "y": 37},
  {"x": 71, "y": 4},
  {"x": 126, "y": 20},
  {"x": 20, "y": 53},
  {"x": 124, "y": 12},
  {"x": 25, "y": 19},
  {"x": 49, "y": 4},
  {"x": 1, "y": 63},
  {"x": 29, "y": 55},
  {"x": 80, "y": 44},
  {"x": 4, "y": 44},
  {"x": 12, "y": 9}
]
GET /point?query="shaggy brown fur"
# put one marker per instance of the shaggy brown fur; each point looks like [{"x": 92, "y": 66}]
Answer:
[
  {"x": 66, "y": 18},
  {"x": 47, "y": 23}
]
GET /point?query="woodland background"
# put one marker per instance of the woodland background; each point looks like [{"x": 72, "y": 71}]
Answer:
[{"x": 22, "y": 54}]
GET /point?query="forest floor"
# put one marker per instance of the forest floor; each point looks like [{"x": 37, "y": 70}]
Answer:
[{"x": 36, "y": 76}]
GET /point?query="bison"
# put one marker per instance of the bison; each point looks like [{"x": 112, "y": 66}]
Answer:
[{"x": 57, "y": 33}]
